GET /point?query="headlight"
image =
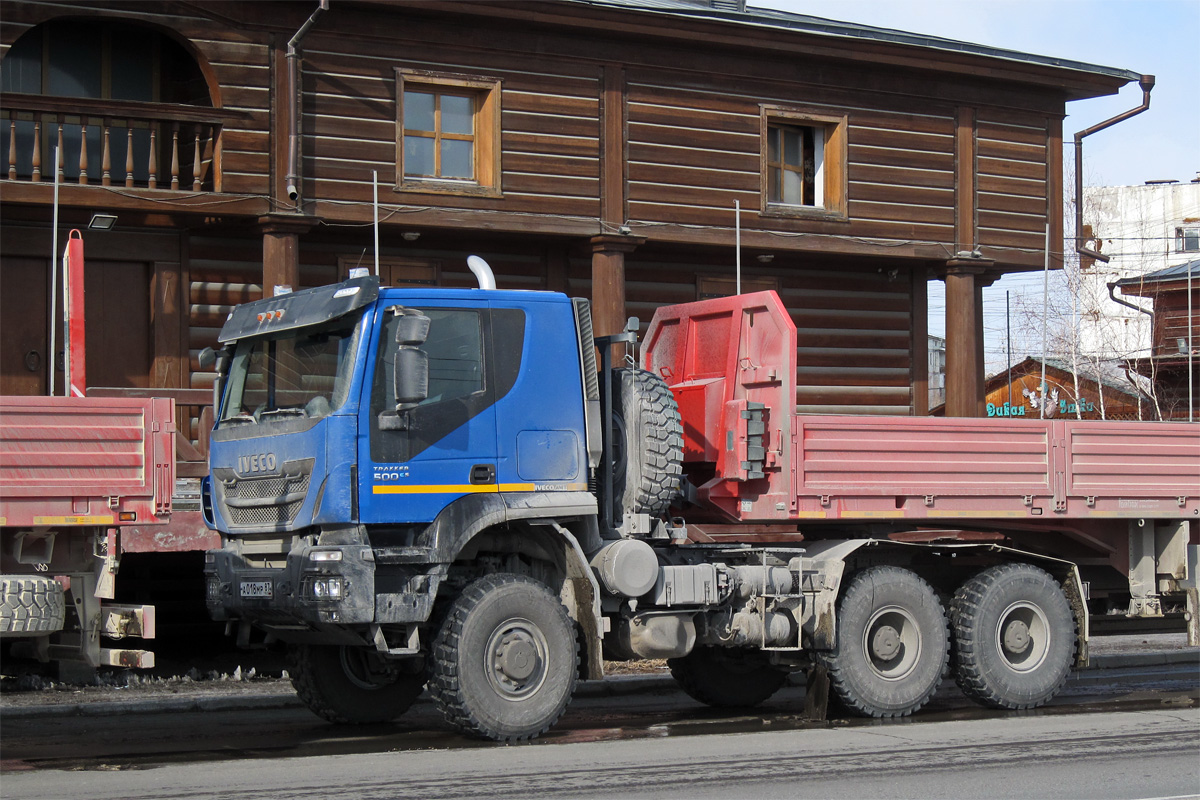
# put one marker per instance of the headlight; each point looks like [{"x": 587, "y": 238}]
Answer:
[{"x": 325, "y": 555}]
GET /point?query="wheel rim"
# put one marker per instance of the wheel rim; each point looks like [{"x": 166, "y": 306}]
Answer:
[
  {"x": 1023, "y": 636},
  {"x": 363, "y": 670},
  {"x": 515, "y": 659},
  {"x": 892, "y": 642}
]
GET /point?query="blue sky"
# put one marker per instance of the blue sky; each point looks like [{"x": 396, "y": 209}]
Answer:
[{"x": 1155, "y": 37}]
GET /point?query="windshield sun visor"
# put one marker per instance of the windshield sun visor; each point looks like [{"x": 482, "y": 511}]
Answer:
[{"x": 299, "y": 309}]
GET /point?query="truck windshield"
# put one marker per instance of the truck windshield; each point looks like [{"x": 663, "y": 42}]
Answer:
[{"x": 302, "y": 373}]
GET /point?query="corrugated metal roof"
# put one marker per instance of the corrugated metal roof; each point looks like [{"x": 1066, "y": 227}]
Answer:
[
  {"x": 1175, "y": 273},
  {"x": 735, "y": 11}
]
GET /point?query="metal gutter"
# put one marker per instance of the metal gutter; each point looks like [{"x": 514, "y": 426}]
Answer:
[
  {"x": 293, "y": 65},
  {"x": 1147, "y": 84}
]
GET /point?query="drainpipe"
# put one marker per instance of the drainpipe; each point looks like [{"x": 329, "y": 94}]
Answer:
[
  {"x": 293, "y": 65},
  {"x": 1112, "y": 286},
  {"x": 1147, "y": 83}
]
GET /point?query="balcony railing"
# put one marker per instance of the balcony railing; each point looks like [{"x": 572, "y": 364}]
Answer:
[{"x": 111, "y": 142}]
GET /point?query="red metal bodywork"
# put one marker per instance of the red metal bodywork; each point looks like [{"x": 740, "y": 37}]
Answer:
[
  {"x": 67, "y": 461},
  {"x": 721, "y": 356}
]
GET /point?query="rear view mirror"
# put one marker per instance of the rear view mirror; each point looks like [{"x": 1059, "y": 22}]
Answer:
[{"x": 410, "y": 367}]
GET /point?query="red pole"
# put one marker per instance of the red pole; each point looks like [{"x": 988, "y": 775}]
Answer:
[{"x": 76, "y": 351}]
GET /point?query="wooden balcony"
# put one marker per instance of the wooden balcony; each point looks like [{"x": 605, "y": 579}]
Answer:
[{"x": 111, "y": 142}]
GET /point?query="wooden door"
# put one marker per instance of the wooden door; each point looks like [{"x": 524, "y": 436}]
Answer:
[
  {"x": 120, "y": 333},
  {"x": 24, "y": 335},
  {"x": 118, "y": 325}
]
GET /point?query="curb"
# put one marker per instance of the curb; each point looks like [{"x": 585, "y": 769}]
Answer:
[{"x": 613, "y": 686}]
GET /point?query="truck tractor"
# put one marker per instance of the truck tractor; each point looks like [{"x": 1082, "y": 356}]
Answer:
[{"x": 464, "y": 491}]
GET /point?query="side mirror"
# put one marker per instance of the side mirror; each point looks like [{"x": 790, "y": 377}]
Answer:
[{"x": 410, "y": 367}]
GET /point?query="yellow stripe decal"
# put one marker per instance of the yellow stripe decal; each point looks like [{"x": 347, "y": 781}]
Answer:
[
  {"x": 465, "y": 488},
  {"x": 98, "y": 519}
]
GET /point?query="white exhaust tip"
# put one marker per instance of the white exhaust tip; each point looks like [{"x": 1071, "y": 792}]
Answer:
[{"x": 483, "y": 272}]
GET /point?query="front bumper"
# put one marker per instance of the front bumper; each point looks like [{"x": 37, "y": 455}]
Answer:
[{"x": 317, "y": 586}]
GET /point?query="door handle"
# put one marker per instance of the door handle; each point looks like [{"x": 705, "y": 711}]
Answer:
[
  {"x": 483, "y": 474},
  {"x": 33, "y": 360}
]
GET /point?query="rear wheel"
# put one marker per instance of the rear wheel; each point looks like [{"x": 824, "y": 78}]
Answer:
[
  {"x": 506, "y": 659},
  {"x": 892, "y": 644},
  {"x": 31, "y": 606},
  {"x": 726, "y": 678},
  {"x": 353, "y": 684},
  {"x": 1014, "y": 636}
]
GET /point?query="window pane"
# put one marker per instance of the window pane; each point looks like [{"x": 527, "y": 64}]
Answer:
[
  {"x": 418, "y": 111},
  {"x": 456, "y": 159},
  {"x": 418, "y": 156},
  {"x": 457, "y": 114},
  {"x": 132, "y": 65},
  {"x": 23, "y": 66},
  {"x": 773, "y": 187},
  {"x": 773, "y": 135},
  {"x": 75, "y": 68},
  {"x": 793, "y": 188},
  {"x": 791, "y": 147}
]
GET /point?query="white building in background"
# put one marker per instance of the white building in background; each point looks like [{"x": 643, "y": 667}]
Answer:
[
  {"x": 937, "y": 370},
  {"x": 1142, "y": 229}
]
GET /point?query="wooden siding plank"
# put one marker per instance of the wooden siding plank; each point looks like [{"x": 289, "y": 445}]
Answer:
[
  {"x": 1007, "y": 168},
  {"x": 889, "y": 157},
  {"x": 1013, "y": 186},
  {"x": 645, "y": 154},
  {"x": 901, "y": 176},
  {"x": 885, "y": 193}
]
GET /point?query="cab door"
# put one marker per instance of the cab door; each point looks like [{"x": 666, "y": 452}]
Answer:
[{"x": 417, "y": 460}]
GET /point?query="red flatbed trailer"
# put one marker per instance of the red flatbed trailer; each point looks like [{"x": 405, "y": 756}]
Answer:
[
  {"x": 1124, "y": 495},
  {"x": 76, "y": 475}
]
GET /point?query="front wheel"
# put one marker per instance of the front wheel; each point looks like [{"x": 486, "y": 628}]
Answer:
[
  {"x": 505, "y": 661},
  {"x": 892, "y": 643},
  {"x": 725, "y": 678},
  {"x": 353, "y": 685},
  {"x": 1014, "y": 637}
]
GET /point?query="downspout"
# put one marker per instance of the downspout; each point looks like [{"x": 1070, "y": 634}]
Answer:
[
  {"x": 293, "y": 65},
  {"x": 1112, "y": 286},
  {"x": 1147, "y": 83}
]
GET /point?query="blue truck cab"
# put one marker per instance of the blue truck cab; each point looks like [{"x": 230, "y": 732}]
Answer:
[{"x": 365, "y": 436}]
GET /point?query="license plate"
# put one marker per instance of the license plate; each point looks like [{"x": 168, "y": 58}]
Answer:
[{"x": 257, "y": 589}]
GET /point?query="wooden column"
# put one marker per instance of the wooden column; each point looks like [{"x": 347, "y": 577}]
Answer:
[
  {"x": 964, "y": 336},
  {"x": 608, "y": 281},
  {"x": 919, "y": 348},
  {"x": 281, "y": 249},
  {"x": 612, "y": 146}
]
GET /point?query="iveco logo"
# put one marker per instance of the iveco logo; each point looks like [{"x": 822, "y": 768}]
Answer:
[{"x": 260, "y": 462}]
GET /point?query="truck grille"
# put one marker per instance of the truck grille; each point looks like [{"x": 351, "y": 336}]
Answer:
[
  {"x": 269, "y": 501},
  {"x": 265, "y": 515}
]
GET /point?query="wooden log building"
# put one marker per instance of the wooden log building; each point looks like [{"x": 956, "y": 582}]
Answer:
[
  {"x": 1173, "y": 363},
  {"x": 595, "y": 147}
]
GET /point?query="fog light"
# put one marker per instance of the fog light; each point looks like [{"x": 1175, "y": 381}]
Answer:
[{"x": 327, "y": 588}]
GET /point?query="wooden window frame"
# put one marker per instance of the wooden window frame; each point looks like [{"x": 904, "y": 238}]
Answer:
[
  {"x": 836, "y": 155},
  {"x": 486, "y": 93}
]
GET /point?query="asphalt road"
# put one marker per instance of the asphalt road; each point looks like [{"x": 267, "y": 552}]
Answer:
[
  {"x": 1133, "y": 754},
  {"x": 1124, "y": 732}
]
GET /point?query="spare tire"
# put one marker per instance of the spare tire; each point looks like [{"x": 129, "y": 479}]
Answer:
[
  {"x": 647, "y": 443},
  {"x": 31, "y": 606}
]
